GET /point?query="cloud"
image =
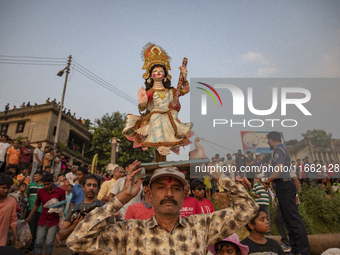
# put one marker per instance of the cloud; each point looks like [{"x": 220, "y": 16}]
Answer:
[
  {"x": 329, "y": 65},
  {"x": 266, "y": 68},
  {"x": 255, "y": 57}
]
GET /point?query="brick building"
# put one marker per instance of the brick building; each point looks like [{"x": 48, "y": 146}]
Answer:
[{"x": 38, "y": 123}]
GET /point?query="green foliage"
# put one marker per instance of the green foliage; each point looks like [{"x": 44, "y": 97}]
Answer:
[
  {"x": 19, "y": 139},
  {"x": 318, "y": 137},
  {"x": 89, "y": 124},
  {"x": 110, "y": 126},
  {"x": 306, "y": 219},
  {"x": 63, "y": 147},
  {"x": 292, "y": 142},
  {"x": 322, "y": 210}
]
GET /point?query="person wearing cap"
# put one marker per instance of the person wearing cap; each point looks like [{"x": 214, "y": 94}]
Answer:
[
  {"x": 229, "y": 246},
  {"x": 166, "y": 232},
  {"x": 286, "y": 191}
]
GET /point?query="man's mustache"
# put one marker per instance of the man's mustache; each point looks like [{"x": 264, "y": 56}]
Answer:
[{"x": 168, "y": 200}]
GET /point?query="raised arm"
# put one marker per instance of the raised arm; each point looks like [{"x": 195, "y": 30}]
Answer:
[
  {"x": 94, "y": 234},
  {"x": 223, "y": 223}
]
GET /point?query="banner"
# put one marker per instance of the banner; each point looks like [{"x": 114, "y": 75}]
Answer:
[{"x": 256, "y": 141}]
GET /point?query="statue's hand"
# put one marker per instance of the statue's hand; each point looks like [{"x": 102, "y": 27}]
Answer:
[
  {"x": 142, "y": 97},
  {"x": 184, "y": 72}
]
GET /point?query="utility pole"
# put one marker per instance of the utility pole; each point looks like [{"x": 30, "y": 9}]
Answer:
[
  {"x": 61, "y": 106},
  {"x": 113, "y": 150}
]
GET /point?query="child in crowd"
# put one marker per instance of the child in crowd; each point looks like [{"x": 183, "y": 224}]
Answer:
[
  {"x": 256, "y": 242},
  {"x": 68, "y": 197},
  {"x": 197, "y": 188},
  {"x": 15, "y": 185},
  {"x": 24, "y": 176},
  {"x": 60, "y": 181},
  {"x": 229, "y": 246},
  {"x": 47, "y": 170},
  {"x": 22, "y": 200}
]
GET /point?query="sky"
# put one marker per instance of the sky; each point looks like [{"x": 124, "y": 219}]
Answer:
[{"x": 221, "y": 39}]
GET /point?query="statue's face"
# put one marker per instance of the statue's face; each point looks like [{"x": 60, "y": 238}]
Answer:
[{"x": 158, "y": 73}]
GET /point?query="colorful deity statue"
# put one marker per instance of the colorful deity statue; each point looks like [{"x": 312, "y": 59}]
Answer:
[{"x": 158, "y": 125}]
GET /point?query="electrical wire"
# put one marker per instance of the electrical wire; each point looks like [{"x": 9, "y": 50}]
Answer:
[
  {"x": 34, "y": 61},
  {"x": 30, "y": 64},
  {"x": 129, "y": 99},
  {"x": 28, "y": 60},
  {"x": 7, "y": 56},
  {"x": 103, "y": 83},
  {"x": 113, "y": 87},
  {"x": 228, "y": 149},
  {"x": 106, "y": 86}
]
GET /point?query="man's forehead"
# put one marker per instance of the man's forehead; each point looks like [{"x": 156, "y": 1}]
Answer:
[{"x": 167, "y": 179}]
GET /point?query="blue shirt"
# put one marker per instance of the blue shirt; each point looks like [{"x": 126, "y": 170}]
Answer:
[
  {"x": 78, "y": 194},
  {"x": 281, "y": 156}
]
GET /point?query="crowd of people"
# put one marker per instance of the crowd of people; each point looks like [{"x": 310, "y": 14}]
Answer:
[
  {"x": 48, "y": 101},
  {"x": 322, "y": 174},
  {"x": 164, "y": 212}
]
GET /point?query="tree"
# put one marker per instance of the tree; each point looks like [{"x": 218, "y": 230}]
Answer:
[
  {"x": 110, "y": 126},
  {"x": 318, "y": 137},
  {"x": 292, "y": 142},
  {"x": 88, "y": 124}
]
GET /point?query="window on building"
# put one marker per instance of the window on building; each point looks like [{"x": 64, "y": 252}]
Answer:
[
  {"x": 20, "y": 127},
  {"x": 54, "y": 130},
  {"x": 4, "y": 129}
]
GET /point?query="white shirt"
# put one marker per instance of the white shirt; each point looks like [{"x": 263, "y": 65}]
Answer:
[
  {"x": 57, "y": 167},
  {"x": 3, "y": 150},
  {"x": 70, "y": 176},
  {"x": 117, "y": 188},
  {"x": 40, "y": 155}
]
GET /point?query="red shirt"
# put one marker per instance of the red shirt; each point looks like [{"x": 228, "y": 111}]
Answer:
[
  {"x": 24, "y": 157},
  {"x": 140, "y": 211},
  {"x": 190, "y": 206},
  {"x": 43, "y": 196},
  {"x": 206, "y": 206}
]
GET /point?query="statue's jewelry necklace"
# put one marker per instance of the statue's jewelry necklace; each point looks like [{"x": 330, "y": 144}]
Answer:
[{"x": 161, "y": 94}]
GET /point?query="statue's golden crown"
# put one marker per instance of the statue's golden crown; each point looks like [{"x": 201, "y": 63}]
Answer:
[{"x": 155, "y": 55}]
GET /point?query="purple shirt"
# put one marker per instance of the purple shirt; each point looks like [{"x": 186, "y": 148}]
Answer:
[{"x": 25, "y": 158}]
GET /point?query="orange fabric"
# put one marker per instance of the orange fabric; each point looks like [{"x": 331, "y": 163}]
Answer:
[
  {"x": 8, "y": 217},
  {"x": 19, "y": 177},
  {"x": 14, "y": 155}
]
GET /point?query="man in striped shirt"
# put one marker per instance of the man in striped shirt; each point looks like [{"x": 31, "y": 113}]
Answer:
[{"x": 261, "y": 196}]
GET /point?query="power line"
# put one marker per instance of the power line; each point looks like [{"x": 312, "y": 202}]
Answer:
[
  {"x": 129, "y": 99},
  {"x": 103, "y": 83},
  {"x": 105, "y": 86},
  {"x": 7, "y": 56},
  {"x": 228, "y": 149},
  {"x": 34, "y": 61},
  {"x": 112, "y": 86},
  {"x": 30, "y": 64},
  {"x": 30, "y": 60}
]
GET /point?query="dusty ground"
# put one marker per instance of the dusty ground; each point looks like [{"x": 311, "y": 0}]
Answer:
[{"x": 57, "y": 250}]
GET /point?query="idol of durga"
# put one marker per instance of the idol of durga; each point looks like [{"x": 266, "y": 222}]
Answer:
[{"x": 158, "y": 125}]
